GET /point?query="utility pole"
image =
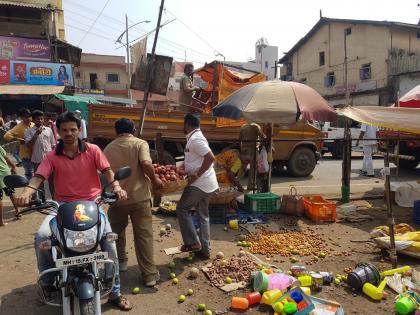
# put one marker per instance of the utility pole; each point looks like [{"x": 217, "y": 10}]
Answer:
[
  {"x": 346, "y": 166},
  {"x": 150, "y": 67},
  {"x": 127, "y": 47},
  {"x": 275, "y": 69}
]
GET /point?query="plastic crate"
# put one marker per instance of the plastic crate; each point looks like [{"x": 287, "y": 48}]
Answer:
[
  {"x": 262, "y": 203},
  {"x": 319, "y": 210},
  {"x": 218, "y": 213}
]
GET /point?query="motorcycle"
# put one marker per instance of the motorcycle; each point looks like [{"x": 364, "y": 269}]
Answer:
[{"x": 77, "y": 228}]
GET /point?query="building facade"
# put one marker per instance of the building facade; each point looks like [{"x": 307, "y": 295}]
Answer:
[
  {"x": 32, "y": 18},
  {"x": 378, "y": 52},
  {"x": 265, "y": 60},
  {"x": 102, "y": 74}
]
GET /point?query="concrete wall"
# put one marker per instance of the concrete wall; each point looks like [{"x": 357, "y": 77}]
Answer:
[
  {"x": 102, "y": 65},
  {"x": 35, "y": 30},
  {"x": 264, "y": 60}
]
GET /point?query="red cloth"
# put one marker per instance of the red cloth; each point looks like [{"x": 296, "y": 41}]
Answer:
[{"x": 75, "y": 178}]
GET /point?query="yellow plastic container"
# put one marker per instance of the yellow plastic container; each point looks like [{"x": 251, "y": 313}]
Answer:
[
  {"x": 306, "y": 290},
  {"x": 271, "y": 296},
  {"x": 278, "y": 307},
  {"x": 394, "y": 271},
  {"x": 374, "y": 292},
  {"x": 305, "y": 281},
  {"x": 234, "y": 224}
]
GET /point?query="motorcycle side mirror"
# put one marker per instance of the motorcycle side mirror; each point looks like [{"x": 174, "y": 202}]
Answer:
[
  {"x": 15, "y": 181},
  {"x": 123, "y": 173}
]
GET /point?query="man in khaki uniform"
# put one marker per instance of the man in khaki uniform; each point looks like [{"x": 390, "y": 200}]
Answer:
[
  {"x": 127, "y": 150},
  {"x": 250, "y": 132},
  {"x": 187, "y": 89}
]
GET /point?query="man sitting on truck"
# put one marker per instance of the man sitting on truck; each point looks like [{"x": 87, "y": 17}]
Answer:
[{"x": 187, "y": 89}]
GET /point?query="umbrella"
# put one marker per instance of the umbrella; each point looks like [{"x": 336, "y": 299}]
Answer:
[
  {"x": 275, "y": 102},
  {"x": 410, "y": 99}
]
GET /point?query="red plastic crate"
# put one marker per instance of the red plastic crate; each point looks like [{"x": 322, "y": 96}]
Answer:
[{"x": 319, "y": 210}]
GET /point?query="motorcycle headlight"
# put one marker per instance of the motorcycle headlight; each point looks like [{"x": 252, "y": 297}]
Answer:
[{"x": 81, "y": 241}]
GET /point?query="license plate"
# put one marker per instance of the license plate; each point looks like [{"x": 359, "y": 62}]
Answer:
[{"x": 80, "y": 260}]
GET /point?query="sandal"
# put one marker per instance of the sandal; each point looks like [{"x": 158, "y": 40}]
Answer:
[
  {"x": 122, "y": 303},
  {"x": 191, "y": 248}
]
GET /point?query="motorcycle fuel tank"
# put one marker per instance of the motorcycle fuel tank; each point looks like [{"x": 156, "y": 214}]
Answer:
[{"x": 78, "y": 215}]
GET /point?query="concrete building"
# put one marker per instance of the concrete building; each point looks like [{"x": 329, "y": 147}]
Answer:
[
  {"x": 381, "y": 58},
  {"x": 32, "y": 18},
  {"x": 266, "y": 57},
  {"x": 103, "y": 75}
]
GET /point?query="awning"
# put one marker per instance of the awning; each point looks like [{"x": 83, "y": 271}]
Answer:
[
  {"x": 110, "y": 99},
  {"x": 27, "y": 5},
  {"x": 72, "y": 103},
  {"x": 395, "y": 118},
  {"x": 31, "y": 89}
]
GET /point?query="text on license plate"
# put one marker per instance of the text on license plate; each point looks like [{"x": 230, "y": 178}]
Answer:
[{"x": 78, "y": 260}]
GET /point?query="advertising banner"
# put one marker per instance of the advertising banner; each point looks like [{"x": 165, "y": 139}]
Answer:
[
  {"x": 4, "y": 71},
  {"x": 19, "y": 48},
  {"x": 40, "y": 73}
]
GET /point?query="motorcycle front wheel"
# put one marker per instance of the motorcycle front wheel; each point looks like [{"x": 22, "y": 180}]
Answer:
[{"x": 87, "y": 307}]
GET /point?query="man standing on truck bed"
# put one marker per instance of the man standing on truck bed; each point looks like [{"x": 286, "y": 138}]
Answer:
[
  {"x": 249, "y": 133},
  {"x": 367, "y": 132},
  {"x": 187, "y": 88}
]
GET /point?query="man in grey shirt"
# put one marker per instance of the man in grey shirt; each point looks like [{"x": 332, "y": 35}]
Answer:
[{"x": 40, "y": 139}]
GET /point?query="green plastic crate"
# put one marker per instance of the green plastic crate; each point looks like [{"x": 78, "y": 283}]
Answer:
[{"x": 262, "y": 203}]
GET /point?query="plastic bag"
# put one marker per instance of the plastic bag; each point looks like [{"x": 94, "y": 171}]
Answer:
[{"x": 263, "y": 166}]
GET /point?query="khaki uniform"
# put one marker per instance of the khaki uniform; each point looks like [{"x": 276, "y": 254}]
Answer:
[
  {"x": 249, "y": 131},
  {"x": 186, "y": 94},
  {"x": 130, "y": 151}
]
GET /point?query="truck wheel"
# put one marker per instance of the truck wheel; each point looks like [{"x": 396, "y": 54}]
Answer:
[
  {"x": 168, "y": 159},
  {"x": 408, "y": 164},
  {"x": 302, "y": 162},
  {"x": 337, "y": 150}
]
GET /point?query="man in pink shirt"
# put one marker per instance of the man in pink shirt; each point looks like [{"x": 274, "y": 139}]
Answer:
[{"x": 74, "y": 165}]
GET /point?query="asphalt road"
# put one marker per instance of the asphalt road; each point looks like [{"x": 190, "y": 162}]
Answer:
[{"x": 326, "y": 179}]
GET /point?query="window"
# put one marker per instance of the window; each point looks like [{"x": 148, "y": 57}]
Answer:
[
  {"x": 365, "y": 72},
  {"x": 329, "y": 79},
  {"x": 113, "y": 77},
  {"x": 266, "y": 64},
  {"x": 322, "y": 58},
  {"x": 347, "y": 31}
]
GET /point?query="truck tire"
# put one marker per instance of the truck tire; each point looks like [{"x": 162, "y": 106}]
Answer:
[
  {"x": 408, "y": 164},
  {"x": 168, "y": 159},
  {"x": 87, "y": 307},
  {"x": 337, "y": 150},
  {"x": 302, "y": 162}
]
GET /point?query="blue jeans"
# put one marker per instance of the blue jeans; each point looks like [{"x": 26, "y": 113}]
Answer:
[
  {"x": 45, "y": 260},
  {"x": 28, "y": 167}
]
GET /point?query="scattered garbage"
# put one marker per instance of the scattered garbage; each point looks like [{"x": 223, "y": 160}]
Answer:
[{"x": 363, "y": 273}]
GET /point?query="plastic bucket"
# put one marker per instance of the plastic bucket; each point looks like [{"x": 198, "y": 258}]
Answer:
[
  {"x": 363, "y": 273},
  {"x": 416, "y": 212}
]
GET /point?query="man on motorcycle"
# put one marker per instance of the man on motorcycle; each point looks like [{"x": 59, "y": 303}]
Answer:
[{"x": 74, "y": 165}]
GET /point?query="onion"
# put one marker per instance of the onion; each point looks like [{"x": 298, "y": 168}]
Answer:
[
  {"x": 220, "y": 255},
  {"x": 194, "y": 272}
]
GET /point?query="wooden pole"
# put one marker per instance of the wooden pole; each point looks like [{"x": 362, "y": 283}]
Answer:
[
  {"x": 270, "y": 154},
  {"x": 391, "y": 219},
  {"x": 150, "y": 67},
  {"x": 159, "y": 157}
]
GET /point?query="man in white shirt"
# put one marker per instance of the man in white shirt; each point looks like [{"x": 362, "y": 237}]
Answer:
[
  {"x": 83, "y": 129},
  {"x": 202, "y": 183},
  {"x": 367, "y": 132}
]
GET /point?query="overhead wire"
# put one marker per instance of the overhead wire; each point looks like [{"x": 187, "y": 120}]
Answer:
[{"x": 94, "y": 22}]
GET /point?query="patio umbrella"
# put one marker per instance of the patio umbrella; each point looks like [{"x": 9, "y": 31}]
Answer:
[
  {"x": 275, "y": 102},
  {"x": 410, "y": 99}
]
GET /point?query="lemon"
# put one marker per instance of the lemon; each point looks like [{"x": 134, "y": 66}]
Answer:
[
  {"x": 228, "y": 280},
  {"x": 172, "y": 275},
  {"x": 201, "y": 307},
  {"x": 175, "y": 280},
  {"x": 136, "y": 290},
  {"x": 190, "y": 292},
  {"x": 181, "y": 298}
]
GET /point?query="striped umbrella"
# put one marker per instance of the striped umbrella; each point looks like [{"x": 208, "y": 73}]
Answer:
[{"x": 275, "y": 102}]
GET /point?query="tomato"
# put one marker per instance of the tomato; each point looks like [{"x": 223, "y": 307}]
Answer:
[{"x": 173, "y": 177}]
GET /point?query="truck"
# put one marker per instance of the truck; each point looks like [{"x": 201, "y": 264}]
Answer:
[
  {"x": 299, "y": 156},
  {"x": 404, "y": 153}
]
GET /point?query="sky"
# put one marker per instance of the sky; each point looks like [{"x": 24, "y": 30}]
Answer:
[{"x": 202, "y": 29}]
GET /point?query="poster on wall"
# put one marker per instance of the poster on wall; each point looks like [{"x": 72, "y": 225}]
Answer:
[
  {"x": 40, "y": 73},
  {"x": 4, "y": 71},
  {"x": 20, "y": 48}
]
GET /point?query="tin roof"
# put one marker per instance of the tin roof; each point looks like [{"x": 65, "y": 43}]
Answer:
[{"x": 27, "y": 5}]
